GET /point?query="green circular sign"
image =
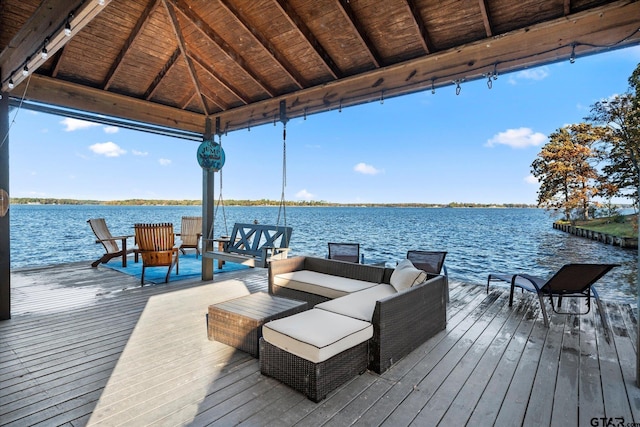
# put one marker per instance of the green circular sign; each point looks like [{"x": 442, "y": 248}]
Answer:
[{"x": 210, "y": 156}]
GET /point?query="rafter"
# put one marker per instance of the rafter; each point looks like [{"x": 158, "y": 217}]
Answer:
[
  {"x": 368, "y": 45},
  {"x": 427, "y": 45},
  {"x": 215, "y": 38},
  {"x": 302, "y": 28},
  {"x": 139, "y": 27},
  {"x": 567, "y": 7},
  {"x": 192, "y": 73},
  {"x": 220, "y": 79},
  {"x": 269, "y": 48},
  {"x": 486, "y": 18},
  {"x": 163, "y": 72}
]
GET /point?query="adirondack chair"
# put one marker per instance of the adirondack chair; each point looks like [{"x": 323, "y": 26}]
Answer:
[
  {"x": 190, "y": 233},
  {"x": 156, "y": 244},
  {"x": 110, "y": 243}
]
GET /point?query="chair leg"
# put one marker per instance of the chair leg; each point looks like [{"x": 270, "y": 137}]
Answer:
[
  {"x": 142, "y": 278},
  {"x": 603, "y": 316},
  {"x": 513, "y": 285},
  {"x": 544, "y": 310}
]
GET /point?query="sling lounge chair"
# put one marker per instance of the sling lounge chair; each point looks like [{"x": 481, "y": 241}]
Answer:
[
  {"x": 431, "y": 262},
  {"x": 156, "y": 244},
  {"x": 190, "y": 232},
  {"x": 110, "y": 243},
  {"x": 349, "y": 252},
  {"x": 572, "y": 280}
]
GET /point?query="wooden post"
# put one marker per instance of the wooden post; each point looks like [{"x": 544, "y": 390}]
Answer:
[
  {"x": 208, "y": 198},
  {"x": 5, "y": 254}
]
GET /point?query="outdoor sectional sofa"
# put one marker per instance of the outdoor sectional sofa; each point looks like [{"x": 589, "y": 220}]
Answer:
[{"x": 359, "y": 319}]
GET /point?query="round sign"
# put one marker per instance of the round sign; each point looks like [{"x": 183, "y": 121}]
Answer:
[{"x": 210, "y": 156}]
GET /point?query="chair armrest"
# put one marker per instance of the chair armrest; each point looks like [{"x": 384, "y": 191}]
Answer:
[{"x": 114, "y": 238}]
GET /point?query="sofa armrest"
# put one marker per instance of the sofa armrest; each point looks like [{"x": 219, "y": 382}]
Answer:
[
  {"x": 404, "y": 321},
  {"x": 281, "y": 266}
]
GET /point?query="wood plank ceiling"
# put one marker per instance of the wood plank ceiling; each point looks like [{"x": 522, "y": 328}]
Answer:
[{"x": 175, "y": 63}]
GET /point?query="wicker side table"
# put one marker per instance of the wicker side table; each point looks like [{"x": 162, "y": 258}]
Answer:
[{"x": 238, "y": 322}]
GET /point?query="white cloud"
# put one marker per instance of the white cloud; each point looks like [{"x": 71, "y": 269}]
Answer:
[
  {"x": 139, "y": 153},
  {"x": 530, "y": 179},
  {"x": 517, "y": 138},
  {"x": 304, "y": 194},
  {"x": 108, "y": 149},
  {"x": 111, "y": 129},
  {"x": 75, "y": 124},
  {"x": 366, "y": 169},
  {"x": 539, "y": 73},
  {"x": 164, "y": 162}
]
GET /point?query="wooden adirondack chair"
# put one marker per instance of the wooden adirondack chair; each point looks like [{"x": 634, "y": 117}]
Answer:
[
  {"x": 156, "y": 244},
  {"x": 190, "y": 233},
  {"x": 110, "y": 243}
]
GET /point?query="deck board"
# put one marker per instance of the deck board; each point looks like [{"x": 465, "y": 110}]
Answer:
[{"x": 91, "y": 347}]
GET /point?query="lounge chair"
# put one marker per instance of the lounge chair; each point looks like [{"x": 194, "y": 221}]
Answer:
[
  {"x": 572, "y": 280},
  {"x": 190, "y": 232},
  {"x": 156, "y": 244},
  {"x": 349, "y": 252},
  {"x": 110, "y": 243},
  {"x": 431, "y": 262}
]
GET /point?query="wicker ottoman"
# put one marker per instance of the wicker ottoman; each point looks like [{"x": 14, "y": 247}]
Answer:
[
  {"x": 315, "y": 352},
  {"x": 238, "y": 322}
]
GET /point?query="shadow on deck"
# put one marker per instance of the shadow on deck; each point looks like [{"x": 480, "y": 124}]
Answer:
[{"x": 89, "y": 346}]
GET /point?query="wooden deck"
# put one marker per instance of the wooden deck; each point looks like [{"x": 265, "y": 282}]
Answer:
[{"x": 90, "y": 347}]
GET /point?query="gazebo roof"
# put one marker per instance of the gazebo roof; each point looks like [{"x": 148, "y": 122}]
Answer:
[{"x": 241, "y": 63}]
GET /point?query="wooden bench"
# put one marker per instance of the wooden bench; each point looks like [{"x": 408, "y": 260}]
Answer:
[{"x": 254, "y": 245}]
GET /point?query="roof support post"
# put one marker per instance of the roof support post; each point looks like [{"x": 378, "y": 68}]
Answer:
[
  {"x": 5, "y": 254},
  {"x": 208, "y": 199}
]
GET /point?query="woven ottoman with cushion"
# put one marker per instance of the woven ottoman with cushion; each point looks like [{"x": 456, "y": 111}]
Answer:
[{"x": 315, "y": 351}]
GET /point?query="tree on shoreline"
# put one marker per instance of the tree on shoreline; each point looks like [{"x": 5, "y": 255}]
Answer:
[{"x": 565, "y": 169}]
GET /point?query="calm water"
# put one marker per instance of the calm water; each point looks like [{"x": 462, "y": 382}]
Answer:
[{"x": 478, "y": 241}]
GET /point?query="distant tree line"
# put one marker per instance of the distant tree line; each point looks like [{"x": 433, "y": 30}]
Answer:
[
  {"x": 597, "y": 158},
  {"x": 261, "y": 202}
]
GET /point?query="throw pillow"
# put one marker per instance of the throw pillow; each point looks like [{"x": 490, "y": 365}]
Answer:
[{"x": 406, "y": 275}]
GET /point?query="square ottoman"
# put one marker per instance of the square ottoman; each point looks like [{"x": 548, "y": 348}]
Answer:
[{"x": 315, "y": 351}]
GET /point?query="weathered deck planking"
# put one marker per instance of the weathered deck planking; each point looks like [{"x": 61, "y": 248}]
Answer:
[{"x": 90, "y": 347}]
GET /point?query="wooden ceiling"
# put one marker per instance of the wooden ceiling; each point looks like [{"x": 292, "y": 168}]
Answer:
[{"x": 242, "y": 63}]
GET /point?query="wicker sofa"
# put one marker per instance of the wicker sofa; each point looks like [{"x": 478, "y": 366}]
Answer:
[{"x": 401, "y": 321}]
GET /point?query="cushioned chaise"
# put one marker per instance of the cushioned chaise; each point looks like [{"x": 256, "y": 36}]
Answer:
[{"x": 315, "y": 351}]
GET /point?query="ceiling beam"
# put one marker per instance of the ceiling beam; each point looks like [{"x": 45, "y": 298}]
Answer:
[
  {"x": 70, "y": 95},
  {"x": 269, "y": 48},
  {"x": 215, "y": 38},
  {"x": 139, "y": 27},
  {"x": 46, "y": 23},
  {"x": 425, "y": 39},
  {"x": 302, "y": 28},
  {"x": 567, "y": 7},
  {"x": 607, "y": 27},
  {"x": 163, "y": 72},
  {"x": 486, "y": 18},
  {"x": 220, "y": 79},
  {"x": 368, "y": 45},
  {"x": 181, "y": 44}
]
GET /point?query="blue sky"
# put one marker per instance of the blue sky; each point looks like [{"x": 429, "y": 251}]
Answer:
[{"x": 477, "y": 146}]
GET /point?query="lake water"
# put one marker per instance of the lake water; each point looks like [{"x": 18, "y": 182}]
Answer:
[{"x": 478, "y": 241}]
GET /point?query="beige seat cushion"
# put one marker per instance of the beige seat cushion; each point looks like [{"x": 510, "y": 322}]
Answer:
[
  {"x": 325, "y": 285},
  {"x": 406, "y": 275},
  {"x": 359, "y": 305},
  {"x": 316, "y": 335}
]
